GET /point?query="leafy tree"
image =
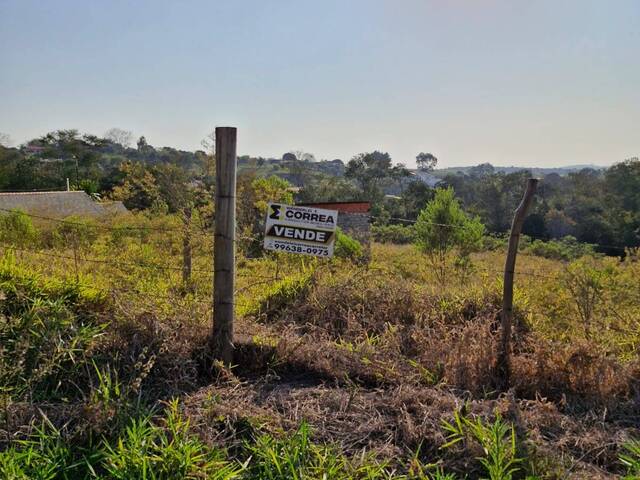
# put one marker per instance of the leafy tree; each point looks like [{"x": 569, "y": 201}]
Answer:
[
  {"x": 138, "y": 189},
  {"x": 558, "y": 224},
  {"x": 622, "y": 197},
  {"x": 119, "y": 136},
  {"x": 426, "y": 161},
  {"x": 173, "y": 187},
  {"x": 254, "y": 194},
  {"x": 370, "y": 170},
  {"x": 482, "y": 170},
  {"x": 144, "y": 149},
  {"x": 302, "y": 156},
  {"x": 443, "y": 227},
  {"x": 414, "y": 197},
  {"x": 324, "y": 188}
]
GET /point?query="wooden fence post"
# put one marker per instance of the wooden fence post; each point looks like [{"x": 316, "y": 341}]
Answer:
[
  {"x": 75, "y": 255},
  {"x": 186, "y": 249},
  {"x": 503, "y": 362},
  {"x": 224, "y": 245}
]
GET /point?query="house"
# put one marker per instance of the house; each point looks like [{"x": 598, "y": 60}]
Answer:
[{"x": 59, "y": 204}]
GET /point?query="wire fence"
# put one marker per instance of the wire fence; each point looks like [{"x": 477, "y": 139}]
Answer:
[
  {"x": 125, "y": 266},
  {"x": 533, "y": 236}
]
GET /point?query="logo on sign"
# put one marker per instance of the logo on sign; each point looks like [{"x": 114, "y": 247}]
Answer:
[{"x": 275, "y": 212}]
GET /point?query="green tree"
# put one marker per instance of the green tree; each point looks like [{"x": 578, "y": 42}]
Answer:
[
  {"x": 371, "y": 170},
  {"x": 253, "y": 195},
  {"x": 426, "y": 161},
  {"x": 138, "y": 189},
  {"x": 443, "y": 228},
  {"x": 622, "y": 198},
  {"x": 325, "y": 188}
]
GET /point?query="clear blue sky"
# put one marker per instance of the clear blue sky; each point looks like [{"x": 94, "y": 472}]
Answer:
[{"x": 510, "y": 82}]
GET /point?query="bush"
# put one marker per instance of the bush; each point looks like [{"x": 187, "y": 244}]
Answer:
[
  {"x": 45, "y": 334},
  {"x": 397, "y": 234},
  {"x": 75, "y": 232},
  {"x": 281, "y": 294},
  {"x": 17, "y": 228},
  {"x": 567, "y": 249},
  {"x": 347, "y": 247},
  {"x": 443, "y": 226}
]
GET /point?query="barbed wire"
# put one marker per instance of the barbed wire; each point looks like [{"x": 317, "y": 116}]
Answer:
[
  {"x": 261, "y": 279},
  {"x": 536, "y": 237},
  {"x": 118, "y": 265},
  {"x": 95, "y": 225},
  {"x": 114, "y": 291}
]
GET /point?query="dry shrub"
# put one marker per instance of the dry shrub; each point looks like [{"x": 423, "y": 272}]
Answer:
[
  {"x": 362, "y": 303},
  {"x": 467, "y": 353},
  {"x": 156, "y": 356},
  {"x": 580, "y": 374},
  {"x": 382, "y": 332}
]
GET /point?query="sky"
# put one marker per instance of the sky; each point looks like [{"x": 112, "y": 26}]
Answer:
[{"x": 515, "y": 82}]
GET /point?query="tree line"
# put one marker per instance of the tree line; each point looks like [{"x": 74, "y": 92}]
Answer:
[{"x": 599, "y": 206}]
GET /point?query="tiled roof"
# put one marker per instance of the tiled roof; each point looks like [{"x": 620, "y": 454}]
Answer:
[{"x": 54, "y": 204}]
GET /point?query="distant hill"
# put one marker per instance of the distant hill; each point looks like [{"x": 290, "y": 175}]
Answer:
[{"x": 443, "y": 172}]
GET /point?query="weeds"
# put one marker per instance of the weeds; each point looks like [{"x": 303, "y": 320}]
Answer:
[
  {"x": 372, "y": 357},
  {"x": 45, "y": 348},
  {"x": 631, "y": 459},
  {"x": 497, "y": 439}
]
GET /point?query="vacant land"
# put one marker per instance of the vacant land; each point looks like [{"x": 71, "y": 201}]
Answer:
[{"x": 342, "y": 370}]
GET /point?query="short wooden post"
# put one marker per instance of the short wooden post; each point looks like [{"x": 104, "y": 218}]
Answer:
[
  {"x": 224, "y": 245},
  {"x": 75, "y": 258},
  {"x": 186, "y": 249},
  {"x": 503, "y": 363}
]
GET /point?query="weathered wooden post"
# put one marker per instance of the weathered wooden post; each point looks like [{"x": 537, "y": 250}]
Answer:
[
  {"x": 186, "y": 249},
  {"x": 224, "y": 245},
  {"x": 503, "y": 363}
]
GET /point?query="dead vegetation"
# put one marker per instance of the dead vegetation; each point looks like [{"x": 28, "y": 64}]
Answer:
[{"x": 372, "y": 362}]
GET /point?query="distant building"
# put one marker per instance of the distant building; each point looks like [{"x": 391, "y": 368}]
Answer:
[
  {"x": 33, "y": 149},
  {"x": 58, "y": 204},
  {"x": 425, "y": 177}
]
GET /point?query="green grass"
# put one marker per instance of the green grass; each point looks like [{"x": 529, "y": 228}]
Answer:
[
  {"x": 630, "y": 458},
  {"x": 85, "y": 351},
  {"x": 497, "y": 440}
]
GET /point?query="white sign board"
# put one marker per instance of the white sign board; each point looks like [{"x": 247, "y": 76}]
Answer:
[{"x": 297, "y": 229}]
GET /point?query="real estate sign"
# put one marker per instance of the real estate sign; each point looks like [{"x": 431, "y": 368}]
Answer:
[{"x": 299, "y": 229}]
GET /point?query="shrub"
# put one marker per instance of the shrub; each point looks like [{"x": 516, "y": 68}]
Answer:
[
  {"x": 443, "y": 226},
  {"x": 45, "y": 334},
  {"x": 74, "y": 232},
  {"x": 397, "y": 234},
  {"x": 347, "y": 247},
  {"x": 585, "y": 280},
  {"x": 281, "y": 294},
  {"x": 17, "y": 229},
  {"x": 567, "y": 249}
]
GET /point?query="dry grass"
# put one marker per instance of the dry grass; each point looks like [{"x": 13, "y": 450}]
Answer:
[{"x": 374, "y": 359}]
